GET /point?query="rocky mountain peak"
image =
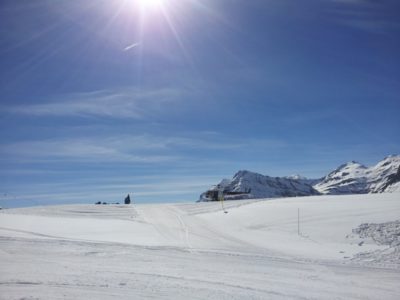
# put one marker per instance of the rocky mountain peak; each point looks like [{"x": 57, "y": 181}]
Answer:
[{"x": 349, "y": 178}]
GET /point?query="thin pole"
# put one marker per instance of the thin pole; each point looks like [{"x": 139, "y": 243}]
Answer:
[
  {"x": 221, "y": 199},
  {"x": 298, "y": 221}
]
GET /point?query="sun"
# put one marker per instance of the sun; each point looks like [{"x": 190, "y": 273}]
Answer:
[
  {"x": 144, "y": 6},
  {"x": 150, "y": 4}
]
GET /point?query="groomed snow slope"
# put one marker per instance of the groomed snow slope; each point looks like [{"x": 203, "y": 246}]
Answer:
[{"x": 195, "y": 251}]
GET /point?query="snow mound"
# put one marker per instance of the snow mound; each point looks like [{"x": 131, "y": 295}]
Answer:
[{"x": 382, "y": 234}]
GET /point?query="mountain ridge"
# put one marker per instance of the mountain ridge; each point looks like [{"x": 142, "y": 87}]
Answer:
[{"x": 349, "y": 178}]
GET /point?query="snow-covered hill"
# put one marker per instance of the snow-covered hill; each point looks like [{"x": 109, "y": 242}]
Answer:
[
  {"x": 341, "y": 247},
  {"x": 350, "y": 178}
]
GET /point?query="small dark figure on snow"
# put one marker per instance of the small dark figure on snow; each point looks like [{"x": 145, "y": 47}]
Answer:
[{"x": 128, "y": 199}]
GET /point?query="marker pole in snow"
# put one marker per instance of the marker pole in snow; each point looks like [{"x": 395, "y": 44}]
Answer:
[
  {"x": 298, "y": 221},
  {"x": 221, "y": 199}
]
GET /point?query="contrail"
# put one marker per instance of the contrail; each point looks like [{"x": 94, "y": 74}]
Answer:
[{"x": 131, "y": 46}]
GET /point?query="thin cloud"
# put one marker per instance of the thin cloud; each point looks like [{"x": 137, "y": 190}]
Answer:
[
  {"x": 133, "y": 104},
  {"x": 134, "y": 45},
  {"x": 127, "y": 148},
  {"x": 86, "y": 150},
  {"x": 371, "y": 16}
]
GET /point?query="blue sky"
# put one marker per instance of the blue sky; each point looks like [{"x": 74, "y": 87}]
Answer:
[{"x": 104, "y": 98}]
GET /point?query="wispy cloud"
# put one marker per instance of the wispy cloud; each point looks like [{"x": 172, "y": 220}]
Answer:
[
  {"x": 115, "y": 149},
  {"x": 367, "y": 15},
  {"x": 134, "y": 45},
  {"x": 143, "y": 148},
  {"x": 130, "y": 103}
]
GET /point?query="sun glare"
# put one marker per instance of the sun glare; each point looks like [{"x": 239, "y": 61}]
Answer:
[{"x": 150, "y": 4}]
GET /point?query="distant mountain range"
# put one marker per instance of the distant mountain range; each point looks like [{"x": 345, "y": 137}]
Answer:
[{"x": 349, "y": 178}]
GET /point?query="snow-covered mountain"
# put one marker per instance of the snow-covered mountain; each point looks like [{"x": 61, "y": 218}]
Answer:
[
  {"x": 355, "y": 178},
  {"x": 246, "y": 185},
  {"x": 349, "y": 178}
]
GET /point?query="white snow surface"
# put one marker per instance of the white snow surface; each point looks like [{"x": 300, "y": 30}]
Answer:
[{"x": 195, "y": 251}]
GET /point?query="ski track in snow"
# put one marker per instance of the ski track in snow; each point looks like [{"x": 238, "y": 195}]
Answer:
[{"x": 195, "y": 251}]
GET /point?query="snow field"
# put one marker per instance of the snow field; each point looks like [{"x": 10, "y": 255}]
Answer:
[{"x": 195, "y": 251}]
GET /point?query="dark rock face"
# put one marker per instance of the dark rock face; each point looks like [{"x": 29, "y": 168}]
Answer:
[{"x": 392, "y": 179}]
